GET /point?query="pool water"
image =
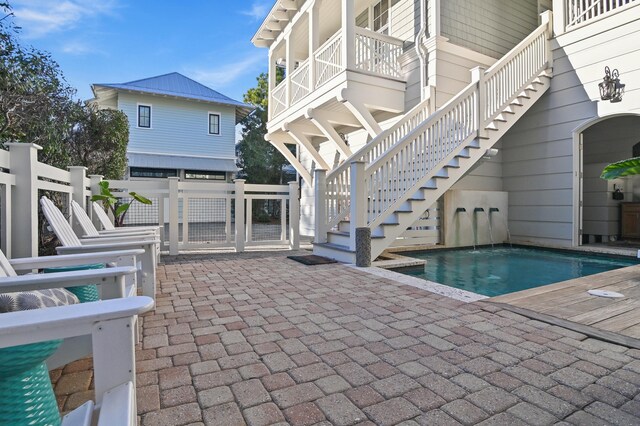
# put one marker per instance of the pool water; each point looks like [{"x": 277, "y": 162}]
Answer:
[{"x": 502, "y": 270}]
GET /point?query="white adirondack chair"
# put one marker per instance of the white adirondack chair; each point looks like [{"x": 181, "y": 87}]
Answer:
[
  {"x": 71, "y": 244},
  {"x": 108, "y": 227},
  {"x": 114, "y": 282},
  {"x": 90, "y": 231},
  {"x": 111, "y": 325}
]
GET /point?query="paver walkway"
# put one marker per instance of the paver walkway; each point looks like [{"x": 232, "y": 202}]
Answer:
[{"x": 259, "y": 339}]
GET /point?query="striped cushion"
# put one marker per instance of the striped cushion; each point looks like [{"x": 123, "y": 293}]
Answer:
[{"x": 24, "y": 301}]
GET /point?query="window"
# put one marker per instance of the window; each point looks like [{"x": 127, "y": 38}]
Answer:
[
  {"x": 214, "y": 124},
  {"x": 381, "y": 17},
  {"x": 145, "y": 172},
  {"x": 144, "y": 116},
  {"x": 199, "y": 174}
]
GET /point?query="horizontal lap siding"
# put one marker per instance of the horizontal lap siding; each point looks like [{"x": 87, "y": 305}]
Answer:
[
  {"x": 537, "y": 152},
  {"x": 491, "y": 27},
  {"x": 405, "y": 20},
  {"x": 179, "y": 127}
]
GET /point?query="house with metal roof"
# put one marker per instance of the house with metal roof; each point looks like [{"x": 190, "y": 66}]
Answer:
[{"x": 177, "y": 126}]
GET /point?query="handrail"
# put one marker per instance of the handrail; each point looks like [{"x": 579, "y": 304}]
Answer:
[
  {"x": 404, "y": 167},
  {"x": 338, "y": 179},
  {"x": 515, "y": 51},
  {"x": 593, "y": 9},
  {"x": 383, "y": 37}
]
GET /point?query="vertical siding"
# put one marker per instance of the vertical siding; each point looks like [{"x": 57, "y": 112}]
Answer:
[
  {"x": 179, "y": 127},
  {"x": 491, "y": 27},
  {"x": 538, "y": 151}
]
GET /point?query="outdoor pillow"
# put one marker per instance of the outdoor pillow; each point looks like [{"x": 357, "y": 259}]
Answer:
[{"x": 24, "y": 301}]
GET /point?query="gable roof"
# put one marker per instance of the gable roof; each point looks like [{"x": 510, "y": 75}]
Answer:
[{"x": 177, "y": 85}]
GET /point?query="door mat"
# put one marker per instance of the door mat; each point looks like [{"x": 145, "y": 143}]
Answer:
[{"x": 312, "y": 259}]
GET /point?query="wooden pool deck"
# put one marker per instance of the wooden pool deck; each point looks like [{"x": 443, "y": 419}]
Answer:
[{"x": 568, "y": 304}]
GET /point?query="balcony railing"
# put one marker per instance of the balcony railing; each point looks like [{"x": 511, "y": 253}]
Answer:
[
  {"x": 582, "y": 11},
  {"x": 375, "y": 54}
]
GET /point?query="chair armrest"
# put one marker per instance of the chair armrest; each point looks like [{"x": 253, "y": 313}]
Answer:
[
  {"x": 64, "y": 279},
  {"x": 92, "y": 248},
  {"x": 125, "y": 231},
  {"x": 29, "y": 263},
  {"x": 37, "y": 325},
  {"x": 117, "y": 239}
]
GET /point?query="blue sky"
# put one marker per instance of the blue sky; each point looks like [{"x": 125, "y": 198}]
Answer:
[{"x": 114, "y": 41}]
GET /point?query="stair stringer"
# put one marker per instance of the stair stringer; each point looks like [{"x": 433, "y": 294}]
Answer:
[{"x": 401, "y": 220}]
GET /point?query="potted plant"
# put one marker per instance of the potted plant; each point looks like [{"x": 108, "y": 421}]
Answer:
[
  {"x": 620, "y": 169},
  {"x": 115, "y": 205}
]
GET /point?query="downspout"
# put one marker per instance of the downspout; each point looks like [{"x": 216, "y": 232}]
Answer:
[{"x": 422, "y": 50}]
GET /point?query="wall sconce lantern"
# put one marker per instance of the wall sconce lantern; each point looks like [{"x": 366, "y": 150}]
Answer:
[{"x": 610, "y": 88}]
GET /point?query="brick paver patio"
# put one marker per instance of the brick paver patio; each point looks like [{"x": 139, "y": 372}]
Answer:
[{"x": 259, "y": 339}]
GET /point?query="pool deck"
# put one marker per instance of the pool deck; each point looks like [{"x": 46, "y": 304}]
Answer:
[
  {"x": 567, "y": 304},
  {"x": 258, "y": 339}
]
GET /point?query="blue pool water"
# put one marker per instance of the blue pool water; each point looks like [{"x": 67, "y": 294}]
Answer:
[{"x": 501, "y": 270}]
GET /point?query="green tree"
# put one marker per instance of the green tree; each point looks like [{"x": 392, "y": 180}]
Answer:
[
  {"x": 258, "y": 160},
  {"x": 98, "y": 141},
  {"x": 35, "y": 100},
  {"x": 37, "y": 105}
]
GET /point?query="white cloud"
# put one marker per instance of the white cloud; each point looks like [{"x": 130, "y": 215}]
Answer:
[
  {"x": 39, "y": 18},
  {"x": 77, "y": 48},
  {"x": 227, "y": 73},
  {"x": 258, "y": 10}
]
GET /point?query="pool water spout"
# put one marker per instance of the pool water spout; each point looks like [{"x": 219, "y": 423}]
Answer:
[
  {"x": 463, "y": 210},
  {"x": 506, "y": 223}
]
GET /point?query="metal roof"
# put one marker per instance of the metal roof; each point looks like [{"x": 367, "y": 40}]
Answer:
[{"x": 177, "y": 85}]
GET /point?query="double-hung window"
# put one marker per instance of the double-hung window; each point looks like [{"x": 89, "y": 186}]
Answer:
[
  {"x": 381, "y": 17},
  {"x": 144, "y": 116},
  {"x": 214, "y": 124}
]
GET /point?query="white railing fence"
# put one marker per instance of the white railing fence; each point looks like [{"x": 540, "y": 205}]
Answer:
[
  {"x": 193, "y": 215},
  {"x": 380, "y": 180},
  {"x": 338, "y": 190},
  {"x": 580, "y": 11},
  {"x": 375, "y": 54}
]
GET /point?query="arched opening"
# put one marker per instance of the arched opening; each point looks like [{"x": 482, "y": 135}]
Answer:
[{"x": 608, "y": 211}]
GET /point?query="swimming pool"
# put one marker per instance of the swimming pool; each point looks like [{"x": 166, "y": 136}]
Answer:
[{"x": 502, "y": 270}]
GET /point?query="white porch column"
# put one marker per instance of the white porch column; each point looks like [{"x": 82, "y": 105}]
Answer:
[
  {"x": 477, "y": 76},
  {"x": 294, "y": 215},
  {"x": 320, "y": 219},
  {"x": 272, "y": 80},
  {"x": 290, "y": 62},
  {"x": 314, "y": 42},
  {"x": 359, "y": 202},
  {"x": 24, "y": 201},
  {"x": 348, "y": 34},
  {"x": 559, "y": 16}
]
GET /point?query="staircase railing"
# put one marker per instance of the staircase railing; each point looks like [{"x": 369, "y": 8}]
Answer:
[
  {"x": 581, "y": 11},
  {"x": 399, "y": 173},
  {"x": 337, "y": 196}
]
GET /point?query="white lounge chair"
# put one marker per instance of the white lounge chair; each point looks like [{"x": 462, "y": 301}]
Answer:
[
  {"x": 90, "y": 231},
  {"x": 113, "y": 282},
  {"x": 110, "y": 324},
  {"x": 71, "y": 244},
  {"x": 107, "y": 226}
]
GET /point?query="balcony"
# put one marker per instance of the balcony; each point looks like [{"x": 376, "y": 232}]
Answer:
[{"x": 372, "y": 54}]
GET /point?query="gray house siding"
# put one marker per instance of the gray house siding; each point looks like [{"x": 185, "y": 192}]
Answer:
[
  {"x": 491, "y": 27},
  {"x": 538, "y": 152}
]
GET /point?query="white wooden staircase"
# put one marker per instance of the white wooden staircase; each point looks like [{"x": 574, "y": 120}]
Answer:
[{"x": 391, "y": 181}]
